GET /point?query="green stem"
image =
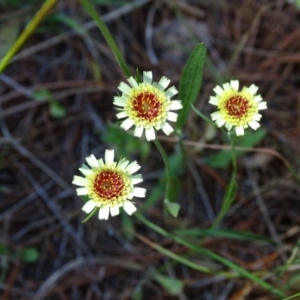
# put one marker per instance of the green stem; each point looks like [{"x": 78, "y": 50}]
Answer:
[
  {"x": 107, "y": 35},
  {"x": 168, "y": 172},
  {"x": 29, "y": 29},
  {"x": 231, "y": 190}
]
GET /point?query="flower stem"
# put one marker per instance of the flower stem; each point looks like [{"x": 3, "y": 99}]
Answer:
[
  {"x": 168, "y": 172},
  {"x": 231, "y": 190},
  {"x": 107, "y": 35}
]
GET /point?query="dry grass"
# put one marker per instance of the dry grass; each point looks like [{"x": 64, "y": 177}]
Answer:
[{"x": 254, "y": 41}]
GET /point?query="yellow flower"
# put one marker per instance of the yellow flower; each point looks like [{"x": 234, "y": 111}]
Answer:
[
  {"x": 147, "y": 106},
  {"x": 109, "y": 185},
  {"x": 237, "y": 109}
]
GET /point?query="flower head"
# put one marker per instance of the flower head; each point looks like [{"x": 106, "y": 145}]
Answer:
[
  {"x": 237, "y": 109},
  {"x": 147, "y": 106},
  {"x": 109, "y": 185}
]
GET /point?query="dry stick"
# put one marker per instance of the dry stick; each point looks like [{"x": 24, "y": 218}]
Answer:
[
  {"x": 25, "y": 201},
  {"x": 202, "y": 192},
  {"x": 58, "y": 97},
  {"x": 89, "y": 25},
  {"x": 80, "y": 263},
  {"x": 54, "y": 209},
  {"x": 228, "y": 147},
  {"x": 264, "y": 211},
  {"x": 22, "y": 150}
]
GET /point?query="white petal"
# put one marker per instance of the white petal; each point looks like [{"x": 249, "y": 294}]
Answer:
[
  {"x": 257, "y": 98},
  {"x": 262, "y": 105},
  {"x": 220, "y": 122},
  {"x": 163, "y": 83},
  {"x": 172, "y": 116},
  {"x": 147, "y": 77},
  {"x": 114, "y": 211},
  {"x": 213, "y": 100},
  {"x": 138, "y": 131},
  {"x": 127, "y": 124},
  {"x": 170, "y": 92},
  {"x": 133, "y": 167},
  {"x": 175, "y": 105},
  {"x": 216, "y": 115},
  {"x": 136, "y": 179},
  {"x": 254, "y": 124},
  {"x": 228, "y": 126},
  {"x": 132, "y": 81},
  {"x": 239, "y": 130},
  {"x": 226, "y": 86},
  {"x": 218, "y": 90},
  {"x": 257, "y": 117},
  {"x": 167, "y": 128},
  {"x": 85, "y": 170},
  {"x": 109, "y": 156},
  {"x": 253, "y": 89},
  {"x": 78, "y": 180},
  {"x": 92, "y": 161},
  {"x": 235, "y": 84},
  {"x": 88, "y": 206},
  {"x": 122, "y": 114},
  {"x": 119, "y": 101},
  {"x": 123, "y": 163},
  {"x": 125, "y": 88},
  {"x": 103, "y": 213},
  {"x": 81, "y": 191},
  {"x": 150, "y": 134},
  {"x": 129, "y": 207},
  {"x": 139, "y": 192},
  {"x": 100, "y": 162}
]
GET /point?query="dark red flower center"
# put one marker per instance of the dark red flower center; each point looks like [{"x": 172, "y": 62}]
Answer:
[
  {"x": 237, "y": 106},
  {"x": 109, "y": 184},
  {"x": 146, "y": 106}
]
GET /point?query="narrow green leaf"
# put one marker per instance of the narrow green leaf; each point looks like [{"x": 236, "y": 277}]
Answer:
[
  {"x": 191, "y": 81},
  {"x": 92, "y": 11},
  {"x": 90, "y": 215},
  {"x": 203, "y": 251},
  {"x": 71, "y": 22},
  {"x": 292, "y": 297},
  {"x": 173, "y": 285},
  {"x": 222, "y": 233}
]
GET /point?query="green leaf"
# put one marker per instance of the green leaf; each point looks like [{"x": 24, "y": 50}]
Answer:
[
  {"x": 172, "y": 207},
  {"x": 42, "y": 95},
  {"x": 137, "y": 293},
  {"x": 191, "y": 81},
  {"x": 29, "y": 255},
  {"x": 222, "y": 233},
  {"x": 3, "y": 249},
  {"x": 172, "y": 285},
  {"x": 57, "y": 110},
  {"x": 249, "y": 140}
]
